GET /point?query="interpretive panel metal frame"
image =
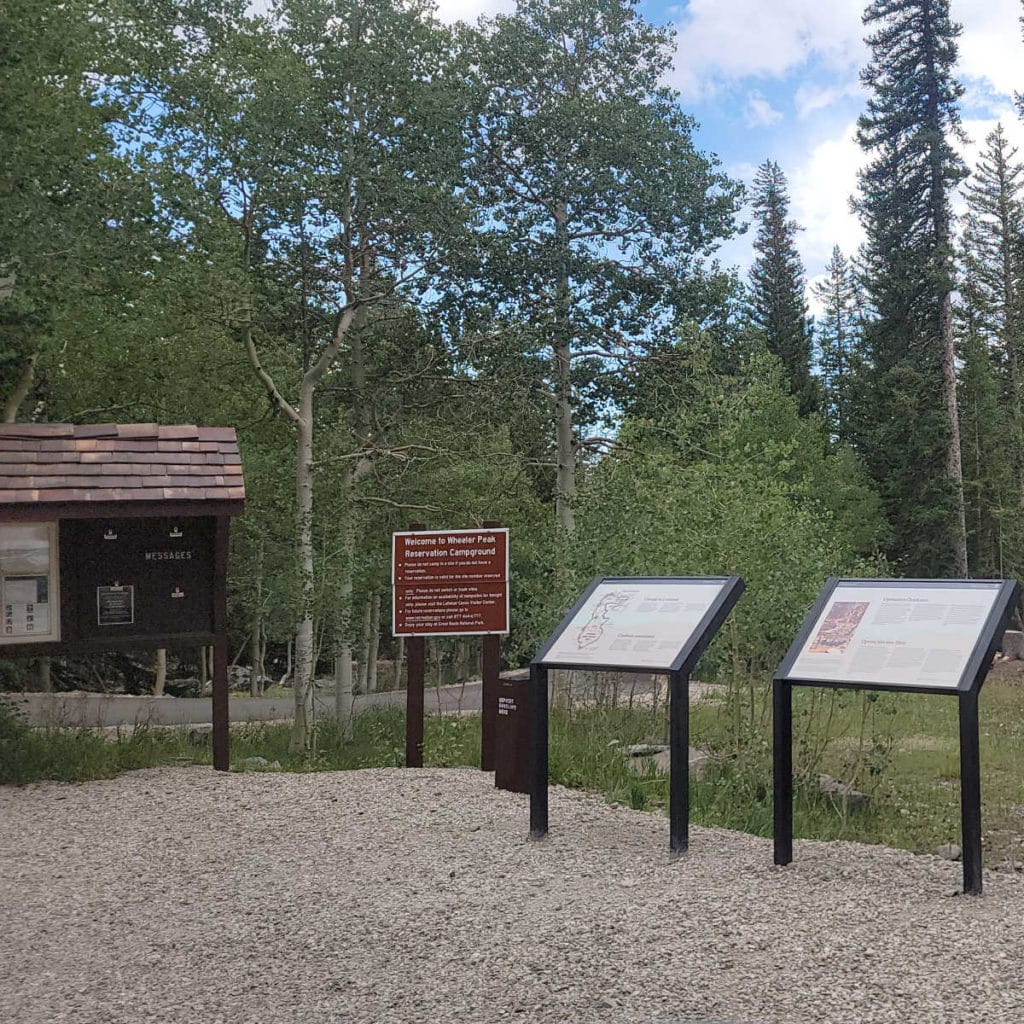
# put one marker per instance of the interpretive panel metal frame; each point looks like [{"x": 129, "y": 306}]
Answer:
[
  {"x": 692, "y": 642},
  {"x": 975, "y": 659}
]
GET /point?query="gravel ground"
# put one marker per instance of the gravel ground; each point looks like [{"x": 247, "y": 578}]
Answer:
[{"x": 181, "y": 895}]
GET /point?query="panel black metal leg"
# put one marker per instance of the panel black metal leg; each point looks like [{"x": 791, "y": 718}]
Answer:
[
  {"x": 970, "y": 793},
  {"x": 679, "y": 751},
  {"x": 782, "y": 769}
]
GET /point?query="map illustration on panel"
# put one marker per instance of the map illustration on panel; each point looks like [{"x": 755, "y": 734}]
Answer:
[
  {"x": 601, "y": 617},
  {"x": 642, "y": 623}
]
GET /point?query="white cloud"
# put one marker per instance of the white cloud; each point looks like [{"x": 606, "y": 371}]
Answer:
[
  {"x": 991, "y": 48},
  {"x": 811, "y": 97},
  {"x": 721, "y": 41},
  {"x": 469, "y": 10},
  {"x": 820, "y": 190},
  {"x": 760, "y": 113},
  {"x": 977, "y": 130}
]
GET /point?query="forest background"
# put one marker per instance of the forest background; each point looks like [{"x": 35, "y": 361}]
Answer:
[{"x": 450, "y": 273}]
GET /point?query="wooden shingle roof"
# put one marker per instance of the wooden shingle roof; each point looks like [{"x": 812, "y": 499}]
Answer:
[{"x": 143, "y": 464}]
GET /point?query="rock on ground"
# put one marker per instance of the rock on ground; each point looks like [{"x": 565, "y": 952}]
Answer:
[{"x": 385, "y": 896}]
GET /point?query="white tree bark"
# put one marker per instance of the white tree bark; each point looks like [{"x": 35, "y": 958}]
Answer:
[
  {"x": 374, "y": 648},
  {"x": 22, "y": 387},
  {"x": 364, "y": 646},
  {"x": 159, "y": 671}
]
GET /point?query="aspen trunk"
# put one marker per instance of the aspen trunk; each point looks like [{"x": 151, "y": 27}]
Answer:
[
  {"x": 374, "y": 649},
  {"x": 302, "y": 731},
  {"x": 22, "y": 387},
  {"x": 344, "y": 681},
  {"x": 364, "y": 646},
  {"x": 565, "y": 473},
  {"x": 344, "y": 691},
  {"x": 254, "y": 653},
  {"x": 399, "y": 662},
  {"x": 159, "y": 671}
]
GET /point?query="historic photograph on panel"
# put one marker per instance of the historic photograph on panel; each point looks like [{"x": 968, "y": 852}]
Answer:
[{"x": 838, "y": 628}]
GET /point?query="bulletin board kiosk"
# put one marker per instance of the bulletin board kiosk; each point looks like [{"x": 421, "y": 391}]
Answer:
[{"x": 115, "y": 537}]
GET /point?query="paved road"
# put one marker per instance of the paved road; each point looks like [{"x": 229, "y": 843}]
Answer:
[
  {"x": 101, "y": 710},
  {"x": 97, "y": 710}
]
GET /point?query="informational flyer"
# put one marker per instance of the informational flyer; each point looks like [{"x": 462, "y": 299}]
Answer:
[
  {"x": 115, "y": 606},
  {"x": 27, "y": 582},
  {"x": 897, "y": 635},
  {"x": 635, "y": 623}
]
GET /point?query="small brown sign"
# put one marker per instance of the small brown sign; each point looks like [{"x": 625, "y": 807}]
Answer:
[{"x": 450, "y": 582}]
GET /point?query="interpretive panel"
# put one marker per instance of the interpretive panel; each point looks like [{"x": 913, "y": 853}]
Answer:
[
  {"x": 642, "y": 623},
  {"x": 905, "y": 634},
  {"x": 450, "y": 582},
  {"x": 29, "y": 583}
]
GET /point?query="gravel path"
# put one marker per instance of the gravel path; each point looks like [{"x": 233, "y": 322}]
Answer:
[{"x": 180, "y": 895}]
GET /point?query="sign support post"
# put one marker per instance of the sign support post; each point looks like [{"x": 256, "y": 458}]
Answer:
[
  {"x": 538, "y": 751},
  {"x": 490, "y": 669},
  {"x": 415, "y": 660},
  {"x": 970, "y": 793},
  {"x": 679, "y": 768},
  {"x": 782, "y": 769}
]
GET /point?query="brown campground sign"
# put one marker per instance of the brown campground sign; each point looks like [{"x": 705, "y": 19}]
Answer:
[{"x": 450, "y": 582}]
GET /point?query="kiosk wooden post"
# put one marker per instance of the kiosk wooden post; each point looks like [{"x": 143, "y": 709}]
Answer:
[
  {"x": 633, "y": 624},
  {"x": 911, "y": 636},
  {"x": 115, "y": 537}
]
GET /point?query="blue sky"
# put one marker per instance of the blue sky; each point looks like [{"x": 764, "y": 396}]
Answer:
[{"x": 779, "y": 79}]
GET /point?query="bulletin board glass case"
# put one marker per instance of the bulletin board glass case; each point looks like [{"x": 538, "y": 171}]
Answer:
[{"x": 29, "y": 583}]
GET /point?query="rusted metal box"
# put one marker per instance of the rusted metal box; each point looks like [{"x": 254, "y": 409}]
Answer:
[{"x": 512, "y": 736}]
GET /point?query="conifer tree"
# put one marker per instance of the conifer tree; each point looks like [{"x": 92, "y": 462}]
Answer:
[
  {"x": 989, "y": 479},
  {"x": 778, "y": 307},
  {"x": 992, "y": 273},
  {"x": 910, "y": 421},
  {"x": 839, "y": 339}
]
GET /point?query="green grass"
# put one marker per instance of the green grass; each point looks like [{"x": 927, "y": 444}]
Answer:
[{"x": 901, "y": 749}]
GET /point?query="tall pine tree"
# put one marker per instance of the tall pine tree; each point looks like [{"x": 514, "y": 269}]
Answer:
[
  {"x": 991, "y": 285},
  {"x": 778, "y": 306},
  {"x": 839, "y": 337},
  {"x": 909, "y": 423}
]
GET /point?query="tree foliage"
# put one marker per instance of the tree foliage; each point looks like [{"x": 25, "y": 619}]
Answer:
[
  {"x": 908, "y": 429},
  {"x": 778, "y": 307}
]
